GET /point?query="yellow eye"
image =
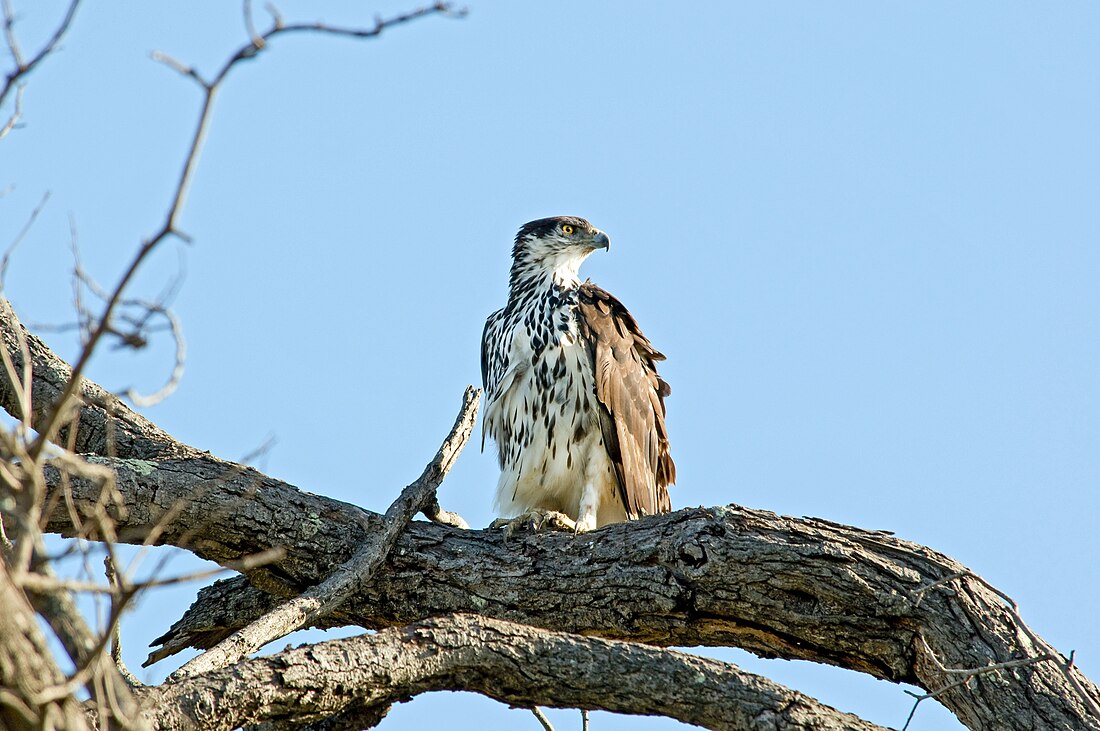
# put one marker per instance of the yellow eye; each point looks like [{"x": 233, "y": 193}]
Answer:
[{"x": 567, "y": 229}]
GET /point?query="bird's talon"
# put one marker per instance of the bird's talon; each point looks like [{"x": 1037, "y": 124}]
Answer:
[
  {"x": 585, "y": 524},
  {"x": 535, "y": 521}
]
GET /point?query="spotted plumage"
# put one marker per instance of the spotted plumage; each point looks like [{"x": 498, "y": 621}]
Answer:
[{"x": 573, "y": 399}]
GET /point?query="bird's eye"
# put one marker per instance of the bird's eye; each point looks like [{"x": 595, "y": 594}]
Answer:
[{"x": 567, "y": 229}]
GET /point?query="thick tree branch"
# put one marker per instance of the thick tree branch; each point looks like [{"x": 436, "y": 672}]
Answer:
[
  {"x": 105, "y": 425},
  {"x": 777, "y": 586},
  {"x": 780, "y": 587},
  {"x": 514, "y": 664},
  {"x": 351, "y": 576}
]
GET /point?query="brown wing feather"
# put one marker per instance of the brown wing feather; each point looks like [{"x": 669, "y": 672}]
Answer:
[{"x": 632, "y": 397}]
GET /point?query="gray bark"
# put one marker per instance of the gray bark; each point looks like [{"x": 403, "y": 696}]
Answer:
[
  {"x": 321, "y": 600},
  {"x": 518, "y": 665},
  {"x": 106, "y": 424},
  {"x": 27, "y": 671},
  {"x": 777, "y": 586}
]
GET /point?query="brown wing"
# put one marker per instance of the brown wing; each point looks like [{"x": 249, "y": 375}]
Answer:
[{"x": 632, "y": 397}]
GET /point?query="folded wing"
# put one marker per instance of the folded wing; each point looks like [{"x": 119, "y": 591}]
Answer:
[{"x": 632, "y": 397}]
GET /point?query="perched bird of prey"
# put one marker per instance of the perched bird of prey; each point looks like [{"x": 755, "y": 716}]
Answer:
[{"x": 573, "y": 399}]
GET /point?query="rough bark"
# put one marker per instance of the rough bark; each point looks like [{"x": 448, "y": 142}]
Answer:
[
  {"x": 27, "y": 672},
  {"x": 106, "y": 425},
  {"x": 321, "y": 600},
  {"x": 518, "y": 665},
  {"x": 777, "y": 586}
]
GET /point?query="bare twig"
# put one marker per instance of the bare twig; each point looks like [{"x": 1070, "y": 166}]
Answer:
[
  {"x": 137, "y": 335},
  {"x": 57, "y": 414},
  {"x": 116, "y": 635},
  {"x": 9, "y": 34},
  {"x": 436, "y": 514},
  {"x": 546, "y": 725},
  {"x": 249, "y": 25},
  {"x": 1065, "y": 665},
  {"x": 1049, "y": 654},
  {"x": 259, "y": 453},
  {"x": 965, "y": 676},
  {"x": 918, "y": 594},
  {"x": 21, "y": 383},
  {"x": 20, "y": 236},
  {"x": 177, "y": 369},
  {"x": 83, "y": 646},
  {"x": 16, "y": 113},
  {"x": 24, "y": 67},
  {"x": 326, "y": 597},
  {"x": 37, "y": 582}
]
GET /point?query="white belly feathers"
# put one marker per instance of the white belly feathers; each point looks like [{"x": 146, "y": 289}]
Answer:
[{"x": 545, "y": 418}]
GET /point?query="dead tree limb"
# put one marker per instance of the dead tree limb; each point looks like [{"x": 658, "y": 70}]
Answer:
[
  {"x": 518, "y": 665},
  {"x": 777, "y": 586},
  {"x": 23, "y": 66},
  {"x": 780, "y": 587},
  {"x": 27, "y": 671},
  {"x": 57, "y": 413},
  {"x": 351, "y": 576},
  {"x": 105, "y": 424}
]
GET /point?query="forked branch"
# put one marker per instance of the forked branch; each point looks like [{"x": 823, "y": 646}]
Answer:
[
  {"x": 351, "y": 576},
  {"x": 60, "y": 411}
]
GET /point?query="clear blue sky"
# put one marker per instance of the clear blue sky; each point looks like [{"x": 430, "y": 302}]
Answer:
[{"x": 865, "y": 234}]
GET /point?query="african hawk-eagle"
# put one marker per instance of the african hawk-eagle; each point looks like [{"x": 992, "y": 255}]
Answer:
[{"x": 573, "y": 399}]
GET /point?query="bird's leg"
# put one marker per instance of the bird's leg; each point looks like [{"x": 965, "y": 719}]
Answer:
[
  {"x": 590, "y": 503},
  {"x": 535, "y": 519}
]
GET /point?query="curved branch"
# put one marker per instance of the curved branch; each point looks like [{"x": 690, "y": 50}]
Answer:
[
  {"x": 324, "y": 598},
  {"x": 58, "y": 412},
  {"x": 27, "y": 670},
  {"x": 105, "y": 425},
  {"x": 518, "y": 665},
  {"x": 777, "y": 586},
  {"x": 23, "y": 67}
]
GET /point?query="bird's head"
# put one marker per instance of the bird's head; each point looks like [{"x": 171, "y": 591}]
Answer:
[{"x": 556, "y": 246}]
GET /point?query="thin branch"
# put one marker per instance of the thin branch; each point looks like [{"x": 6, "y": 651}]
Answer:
[
  {"x": 20, "y": 236},
  {"x": 436, "y": 514},
  {"x": 177, "y": 368},
  {"x": 170, "y": 227},
  {"x": 39, "y": 583},
  {"x": 249, "y": 25},
  {"x": 918, "y": 594},
  {"x": 352, "y": 575},
  {"x": 115, "y": 583},
  {"x": 9, "y": 35},
  {"x": 16, "y": 114},
  {"x": 29, "y": 668},
  {"x": 22, "y": 68},
  {"x": 538, "y": 712},
  {"x": 1065, "y": 666},
  {"x": 967, "y": 675},
  {"x": 20, "y": 379}
]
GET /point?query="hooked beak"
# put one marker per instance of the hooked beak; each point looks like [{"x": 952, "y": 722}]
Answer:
[{"x": 600, "y": 240}]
